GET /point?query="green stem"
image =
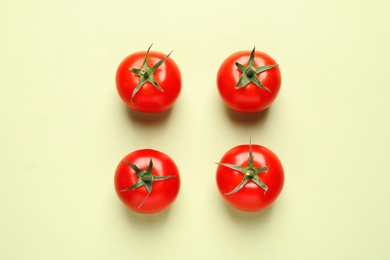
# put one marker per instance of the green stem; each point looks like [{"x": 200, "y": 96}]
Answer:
[
  {"x": 145, "y": 74},
  {"x": 250, "y": 173},
  {"x": 250, "y": 72},
  {"x": 147, "y": 177}
]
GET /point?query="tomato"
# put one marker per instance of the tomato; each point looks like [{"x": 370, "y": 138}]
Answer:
[
  {"x": 250, "y": 177},
  {"x": 148, "y": 81},
  {"x": 249, "y": 81},
  {"x": 147, "y": 181}
]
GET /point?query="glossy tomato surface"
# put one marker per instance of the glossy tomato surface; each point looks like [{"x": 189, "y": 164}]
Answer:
[
  {"x": 248, "y": 98},
  {"x": 148, "y": 98},
  {"x": 152, "y": 194},
  {"x": 257, "y": 193}
]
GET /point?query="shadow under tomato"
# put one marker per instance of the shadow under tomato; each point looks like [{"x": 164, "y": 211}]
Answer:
[
  {"x": 147, "y": 219},
  {"x": 247, "y": 118},
  {"x": 148, "y": 118},
  {"x": 248, "y": 217}
]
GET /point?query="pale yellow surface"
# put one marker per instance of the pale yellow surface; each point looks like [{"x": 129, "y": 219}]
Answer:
[{"x": 64, "y": 129}]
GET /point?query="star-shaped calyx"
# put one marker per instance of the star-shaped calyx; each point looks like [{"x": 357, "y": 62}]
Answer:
[
  {"x": 145, "y": 179},
  {"x": 251, "y": 173},
  {"x": 249, "y": 73},
  {"x": 146, "y": 73}
]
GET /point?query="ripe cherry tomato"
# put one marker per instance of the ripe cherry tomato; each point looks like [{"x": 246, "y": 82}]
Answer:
[
  {"x": 250, "y": 177},
  {"x": 148, "y": 81},
  {"x": 147, "y": 181},
  {"x": 249, "y": 81}
]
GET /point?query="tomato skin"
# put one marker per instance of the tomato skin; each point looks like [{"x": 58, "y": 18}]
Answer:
[
  {"x": 149, "y": 99},
  {"x": 251, "y": 197},
  {"x": 250, "y": 98},
  {"x": 163, "y": 192}
]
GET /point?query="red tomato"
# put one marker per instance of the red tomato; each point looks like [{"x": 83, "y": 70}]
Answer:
[
  {"x": 148, "y": 81},
  {"x": 147, "y": 181},
  {"x": 250, "y": 177},
  {"x": 249, "y": 81}
]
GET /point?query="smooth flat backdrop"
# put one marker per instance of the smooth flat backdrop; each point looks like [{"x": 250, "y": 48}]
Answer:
[{"x": 64, "y": 129}]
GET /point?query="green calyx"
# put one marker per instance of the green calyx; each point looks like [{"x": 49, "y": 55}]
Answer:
[
  {"x": 146, "y": 73},
  {"x": 251, "y": 173},
  {"x": 145, "y": 179},
  {"x": 249, "y": 73}
]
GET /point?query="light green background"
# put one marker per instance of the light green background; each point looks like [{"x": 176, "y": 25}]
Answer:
[{"x": 64, "y": 129}]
